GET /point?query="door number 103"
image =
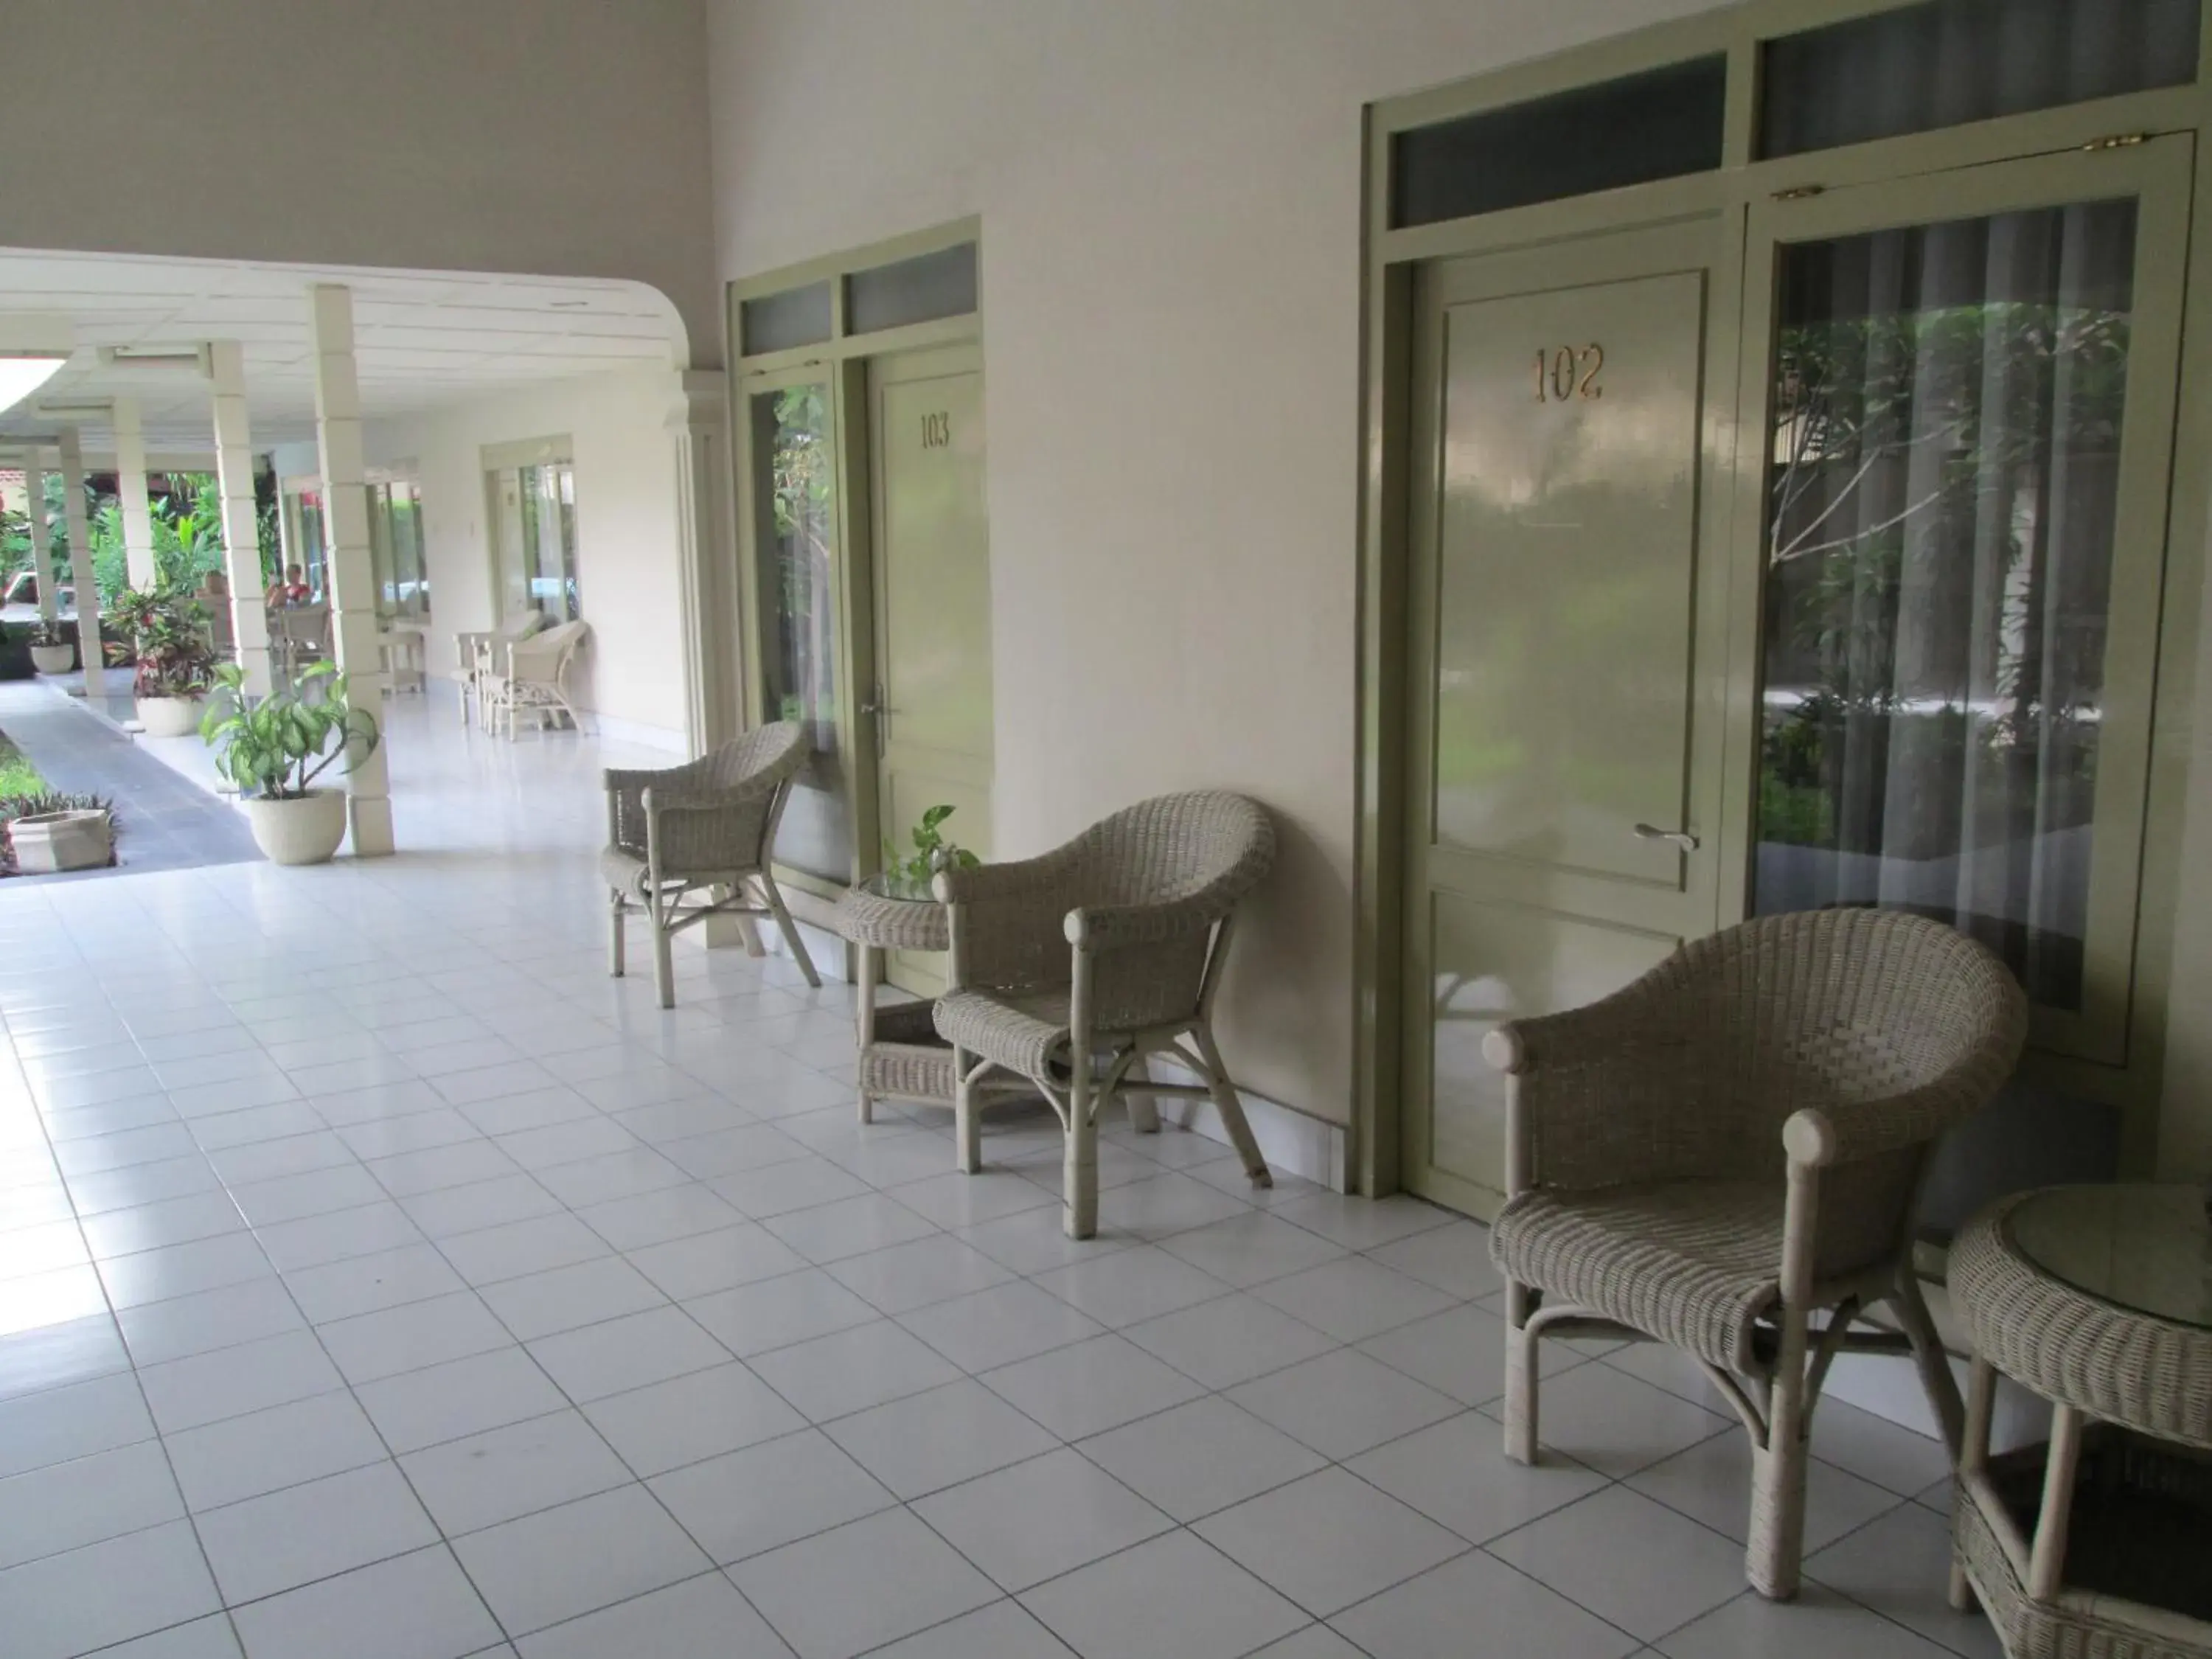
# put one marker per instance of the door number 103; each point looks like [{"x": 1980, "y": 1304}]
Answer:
[
  {"x": 937, "y": 431},
  {"x": 1566, "y": 372}
]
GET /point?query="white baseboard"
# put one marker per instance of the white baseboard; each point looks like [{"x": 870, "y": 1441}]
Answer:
[
  {"x": 638, "y": 734},
  {"x": 1293, "y": 1142},
  {"x": 1889, "y": 1386}
]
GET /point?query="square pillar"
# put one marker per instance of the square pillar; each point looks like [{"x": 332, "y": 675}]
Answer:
[
  {"x": 698, "y": 423},
  {"x": 350, "y": 577},
  {"x": 241, "y": 542},
  {"x": 130, "y": 494},
  {"x": 89, "y": 655},
  {"x": 42, "y": 545}
]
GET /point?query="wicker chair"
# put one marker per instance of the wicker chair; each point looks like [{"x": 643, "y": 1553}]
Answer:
[
  {"x": 479, "y": 653},
  {"x": 535, "y": 677},
  {"x": 683, "y": 842},
  {"x": 1733, "y": 1142},
  {"x": 1146, "y": 899}
]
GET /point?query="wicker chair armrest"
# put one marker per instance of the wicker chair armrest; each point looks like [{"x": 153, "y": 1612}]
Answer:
[
  {"x": 1019, "y": 881},
  {"x": 1604, "y": 1092},
  {"x": 1853, "y": 1131},
  {"x": 1113, "y": 926}
]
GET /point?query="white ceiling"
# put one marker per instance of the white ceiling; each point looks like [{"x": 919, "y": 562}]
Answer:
[{"x": 421, "y": 338}]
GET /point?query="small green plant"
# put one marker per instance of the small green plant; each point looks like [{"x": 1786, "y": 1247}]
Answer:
[
  {"x": 165, "y": 629},
  {"x": 277, "y": 747},
  {"x": 45, "y": 633},
  {"x": 911, "y": 877}
]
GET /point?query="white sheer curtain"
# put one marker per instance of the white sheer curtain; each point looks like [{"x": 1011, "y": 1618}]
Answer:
[{"x": 1945, "y": 460}]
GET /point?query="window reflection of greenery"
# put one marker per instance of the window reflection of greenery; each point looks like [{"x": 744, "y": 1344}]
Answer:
[
  {"x": 1948, "y": 432},
  {"x": 802, "y": 479}
]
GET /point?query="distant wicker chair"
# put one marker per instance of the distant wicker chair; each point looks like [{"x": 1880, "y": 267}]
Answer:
[
  {"x": 480, "y": 654},
  {"x": 684, "y": 842},
  {"x": 1733, "y": 1142},
  {"x": 535, "y": 679},
  {"x": 1072, "y": 968}
]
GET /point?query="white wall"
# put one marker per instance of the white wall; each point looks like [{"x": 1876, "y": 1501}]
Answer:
[
  {"x": 627, "y": 531},
  {"x": 555, "y": 139},
  {"x": 1171, "y": 199}
]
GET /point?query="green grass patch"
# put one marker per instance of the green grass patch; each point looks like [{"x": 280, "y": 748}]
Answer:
[{"x": 17, "y": 775}]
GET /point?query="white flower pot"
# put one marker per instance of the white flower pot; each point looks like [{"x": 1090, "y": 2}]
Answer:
[
  {"x": 53, "y": 659},
  {"x": 304, "y": 829},
  {"x": 171, "y": 717},
  {"x": 45, "y": 843}
]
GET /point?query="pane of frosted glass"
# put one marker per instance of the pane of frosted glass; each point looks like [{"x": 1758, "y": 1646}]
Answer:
[
  {"x": 776, "y": 322},
  {"x": 918, "y": 290},
  {"x": 1955, "y": 61},
  {"x": 1944, "y": 459},
  {"x": 548, "y": 541},
  {"x": 795, "y": 486},
  {"x": 1658, "y": 124}
]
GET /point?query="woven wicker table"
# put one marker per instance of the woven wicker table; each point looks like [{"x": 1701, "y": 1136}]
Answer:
[
  {"x": 2098, "y": 1545},
  {"x": 898, "y": 1053}
]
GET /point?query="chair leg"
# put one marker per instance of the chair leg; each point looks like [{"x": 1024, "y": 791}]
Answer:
[
  {"x": 615, "y": 933},
  {"x": 1520, "y": 1375},
  {"x": 796, "y": 944},
  {"x": 1775, "y": 1550},
  {"x": 1144, "y": 1109},
  {"x": 1080, "y": 1170},
  {"x": 967, "y": 1116},
  {"x": 1230, "y": 1108},
  {"x": 1928, "y": 1355},
  {"x": 664, "y": 954}
]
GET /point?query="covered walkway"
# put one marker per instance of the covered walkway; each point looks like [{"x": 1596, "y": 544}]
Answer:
[{"x": 374, "y": 1269}]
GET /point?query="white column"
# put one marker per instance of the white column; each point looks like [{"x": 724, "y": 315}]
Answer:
[
  {"x": 699, "y": 424},
  {"x": 42, "y": 547},
  {"x": 349, "y": 578},
  {"x": 130, "y": 492},
  {"x": 241, "y": 544},
  {"x": 80, "y": 538}
]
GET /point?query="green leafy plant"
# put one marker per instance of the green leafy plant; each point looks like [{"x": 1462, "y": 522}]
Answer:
[
  {"x": 932, "y": 852},
  {"x": 44, "y": 633},
  {"x": 278, "y": 746},
  {"x": 166, "y": 631}
]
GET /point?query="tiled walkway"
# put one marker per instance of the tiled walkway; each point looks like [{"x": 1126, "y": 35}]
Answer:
[
  {"x": 382, "y": 1280},
  {"x": 163, "y": 822}
]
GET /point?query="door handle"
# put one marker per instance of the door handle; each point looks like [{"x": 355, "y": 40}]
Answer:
[{"x": 1682, "y": 838}]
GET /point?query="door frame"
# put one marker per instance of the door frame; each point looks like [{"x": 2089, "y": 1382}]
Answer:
[
  {"x": 1740, "y": 182},
  {"x": 839, "y": 362},
  {"x": 1695, "y": 900}
]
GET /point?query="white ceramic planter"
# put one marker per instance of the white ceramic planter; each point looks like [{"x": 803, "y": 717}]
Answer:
[
  {"x": 306, "y": 829},
  {"x": 171, "y": 717},
  {"x": 45, "y": 843},
  {"x": 53, "y": 659}
]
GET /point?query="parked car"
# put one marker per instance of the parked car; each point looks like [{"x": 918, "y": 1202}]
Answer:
[{"x": 19, "y": 602}]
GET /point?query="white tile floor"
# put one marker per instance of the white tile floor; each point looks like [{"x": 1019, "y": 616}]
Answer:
[{"x": 378, "y": 1278}]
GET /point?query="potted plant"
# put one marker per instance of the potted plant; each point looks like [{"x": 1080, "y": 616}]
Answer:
[
  {"x": 274, "y": 750},
  {"x": 910, "y": 877},
  {"x": 167, "y": 637},
  {"x": 53, "y": 646}
]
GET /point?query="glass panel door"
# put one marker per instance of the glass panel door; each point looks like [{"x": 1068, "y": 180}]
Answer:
[
  {"x": 796, "y": 591},
  {"x": 1969, "y": 403}
]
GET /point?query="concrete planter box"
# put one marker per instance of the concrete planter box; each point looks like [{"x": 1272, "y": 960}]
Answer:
[
  {"x": 53, "y": 659},
  {"x": 47, "y": 842},
  {"x": 171, "y": 717},
  {"x": 305, "y": 830}
]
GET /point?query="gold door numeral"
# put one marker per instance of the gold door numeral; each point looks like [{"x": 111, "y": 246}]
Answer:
[
  {"x": 1566, "y": 372},
  {"x": 937, "y": 431}
]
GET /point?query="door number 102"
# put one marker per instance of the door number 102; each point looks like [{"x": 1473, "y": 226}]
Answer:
[{"x": 1566, "y": 372}]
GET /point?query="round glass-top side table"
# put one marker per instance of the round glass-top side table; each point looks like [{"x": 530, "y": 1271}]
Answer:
[
  {"x": 2148, "y": 1248},
  {"x": 2099, "y": 1299}
]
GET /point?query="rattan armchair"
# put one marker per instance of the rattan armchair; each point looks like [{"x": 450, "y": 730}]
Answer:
[
  {"x": 691, "y": 841},
  {"x": 1070, "y": 968},
  {"x": 534, "y": 676},
  {"x": 1735, "y": 1143}
]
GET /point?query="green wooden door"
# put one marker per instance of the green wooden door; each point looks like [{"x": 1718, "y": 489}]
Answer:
[
  {"x": 1564, "y": 657},
  {"x": 932, "y": 701}
]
